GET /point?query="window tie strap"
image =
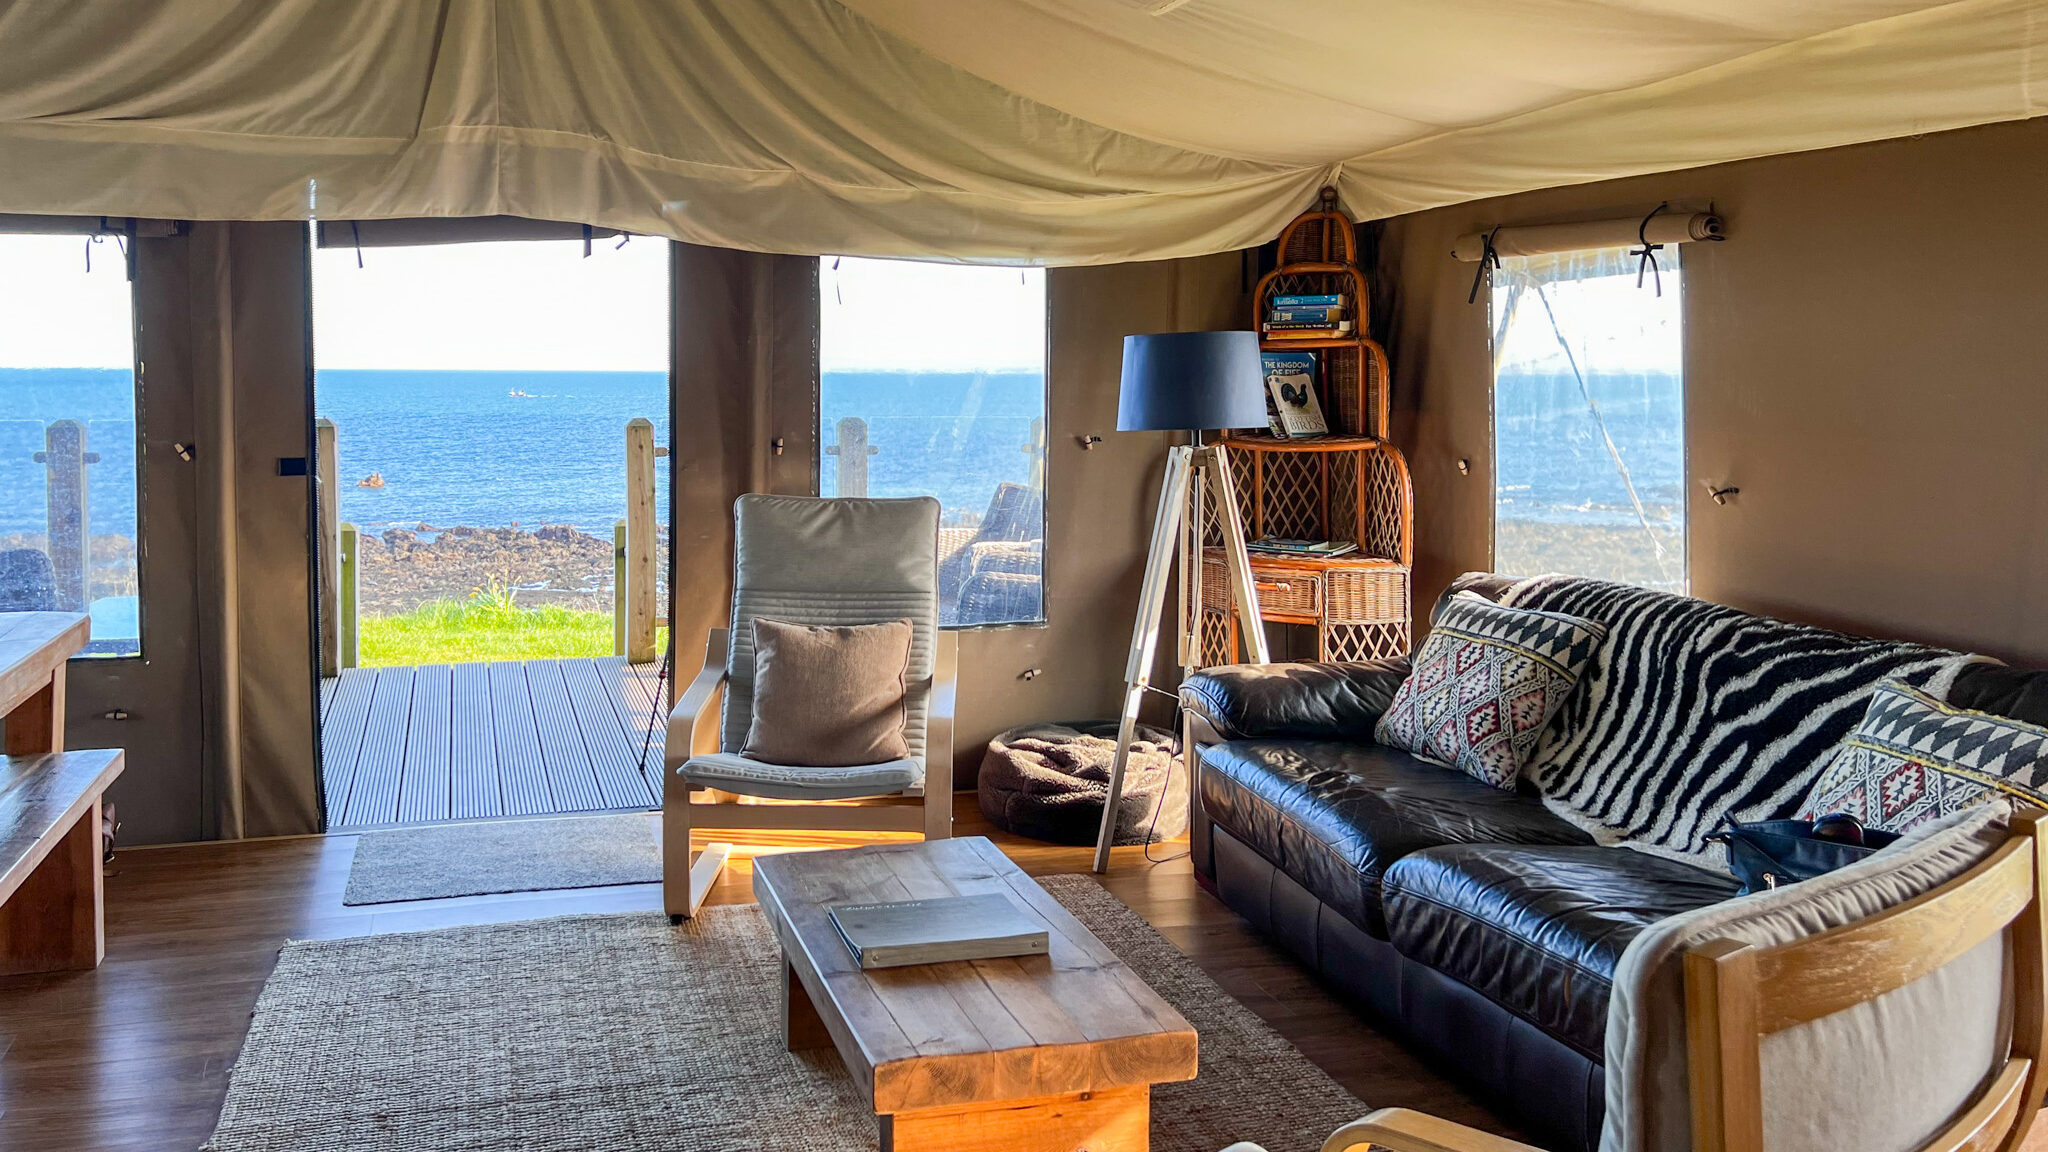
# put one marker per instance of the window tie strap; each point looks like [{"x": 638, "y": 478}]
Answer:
[
  {"x": 1488, "y": 258},
  {"x": 1647, "y": 254}
]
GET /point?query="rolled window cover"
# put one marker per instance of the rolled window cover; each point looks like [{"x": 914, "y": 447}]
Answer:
[{"x": 1539, "y": 239}]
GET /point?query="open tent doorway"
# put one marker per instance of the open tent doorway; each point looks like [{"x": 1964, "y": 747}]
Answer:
[{"x": 492, "y": 523}]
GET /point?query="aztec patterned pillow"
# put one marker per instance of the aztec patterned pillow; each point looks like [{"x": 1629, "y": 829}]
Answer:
[
  {"x": 1485, "y": 683},
  {"x": 1914, "y": 759}
]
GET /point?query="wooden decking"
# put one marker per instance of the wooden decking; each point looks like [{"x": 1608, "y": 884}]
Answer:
[{"x": 467, "y": 741}]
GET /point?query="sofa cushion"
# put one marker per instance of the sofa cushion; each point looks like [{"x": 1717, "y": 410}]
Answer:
[
  {"x": 1336, "y": 816},
  {"x": 1538, "y": 930},
  {"x": 1485, "y": 683},
  {"x": 1326, "y": 701},
  {"x": 2014, "y": 693},
  {"x": 1914, "y": 760}
]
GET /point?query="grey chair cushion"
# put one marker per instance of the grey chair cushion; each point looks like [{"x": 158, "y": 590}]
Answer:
[
  {"x": 731, "y": 772},
  {"x": 842, "y": 561}
]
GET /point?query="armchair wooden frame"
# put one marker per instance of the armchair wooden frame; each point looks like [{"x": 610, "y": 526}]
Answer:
[
  {"x": 1738, "y": 993},
  {"x": 693, "y": 728}
]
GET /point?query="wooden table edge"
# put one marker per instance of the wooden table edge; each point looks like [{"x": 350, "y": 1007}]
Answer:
[
  {"x": 19, "y": 872},
  {"x": 40, "y": 660}
]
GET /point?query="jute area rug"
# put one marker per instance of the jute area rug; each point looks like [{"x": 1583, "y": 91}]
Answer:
[
  {"x": 472, "y": 859},
  {"x": 618, "y": 1033}
]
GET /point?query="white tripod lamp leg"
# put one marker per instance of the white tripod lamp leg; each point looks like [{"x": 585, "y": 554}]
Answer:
[
  {"x": 1242, "y": 594},
  {"x": 1159, "y": 561}
]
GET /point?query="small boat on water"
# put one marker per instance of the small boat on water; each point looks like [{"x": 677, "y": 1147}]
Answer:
[
  {"x": 373, "y": 480},
  {"x": 517, "y": 392}
]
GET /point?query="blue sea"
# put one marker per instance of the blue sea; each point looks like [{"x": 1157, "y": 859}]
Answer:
[{"x": 495, "y": 448}]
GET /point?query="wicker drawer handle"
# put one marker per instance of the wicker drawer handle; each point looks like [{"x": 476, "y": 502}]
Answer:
[{"x": 1269, "y": 586}]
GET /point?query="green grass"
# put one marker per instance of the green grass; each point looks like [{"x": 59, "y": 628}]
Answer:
[{"x": 456, "y": 632}]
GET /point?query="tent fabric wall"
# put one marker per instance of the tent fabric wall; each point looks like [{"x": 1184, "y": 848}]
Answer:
[
  {"x": 746, "y": 379},
  {"x": 1047, "y": 131}
]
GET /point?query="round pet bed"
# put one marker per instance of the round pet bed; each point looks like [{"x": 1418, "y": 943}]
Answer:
[{"x": 1048, "y": 782}]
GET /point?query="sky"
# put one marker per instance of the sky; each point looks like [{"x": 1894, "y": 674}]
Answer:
[
  {"x": 900, "y": 315},
  {"x": 535, "y": 305},
  {"x": 53, "y": 314}
]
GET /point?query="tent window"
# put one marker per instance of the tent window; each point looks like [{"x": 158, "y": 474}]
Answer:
[
  {"x": 68, "y": 492},
  {"x": 933, "y": 384},
  {"x": 1588, "y": 403}
]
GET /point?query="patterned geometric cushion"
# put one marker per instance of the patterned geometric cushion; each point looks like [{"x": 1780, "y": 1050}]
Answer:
[
  {"x": 1485, "y": 683},
  {"x": 1915, "y": 759}
]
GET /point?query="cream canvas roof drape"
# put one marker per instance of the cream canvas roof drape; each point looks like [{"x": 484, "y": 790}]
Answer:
[{"x": 1051, "y": 131}]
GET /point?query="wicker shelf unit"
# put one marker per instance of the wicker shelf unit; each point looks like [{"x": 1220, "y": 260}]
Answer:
[{"x": 1350, "y": 485}]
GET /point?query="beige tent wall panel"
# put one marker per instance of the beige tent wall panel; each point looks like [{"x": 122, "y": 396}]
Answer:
[
  {"x": 274, "y": 650},
  {"x": 158, "y": 796},
  {"x": 746, "y": 374},
  {"x": 1863, "y": 359},
  {"x": 1099, "y": 501}
]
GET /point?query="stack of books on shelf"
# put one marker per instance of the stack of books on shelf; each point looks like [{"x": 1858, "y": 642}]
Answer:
[{"x": 1306, "y": 318}]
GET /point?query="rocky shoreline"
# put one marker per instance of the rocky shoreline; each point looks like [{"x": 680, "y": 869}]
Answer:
[{"x": 399, "y": 569}]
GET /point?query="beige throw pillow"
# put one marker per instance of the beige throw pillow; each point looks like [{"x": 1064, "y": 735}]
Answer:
[{"x": 828, "y": 697}]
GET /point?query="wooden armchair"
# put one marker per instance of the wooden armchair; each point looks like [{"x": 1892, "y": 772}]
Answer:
[
  {"x": 819, "y": 562},
  {"x": 1738, "y": 994}
]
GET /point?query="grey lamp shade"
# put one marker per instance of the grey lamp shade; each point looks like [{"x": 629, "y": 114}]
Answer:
[{"x": 1192, "y": 381}]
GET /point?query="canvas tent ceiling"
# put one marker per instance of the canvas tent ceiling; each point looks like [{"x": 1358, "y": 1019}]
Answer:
[{"x": 1053, "y": 131}]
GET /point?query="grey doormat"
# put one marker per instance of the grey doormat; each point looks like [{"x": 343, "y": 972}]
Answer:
[
  {"x": 618, "y": 1032},
  {"x": 473, "y": 859}
]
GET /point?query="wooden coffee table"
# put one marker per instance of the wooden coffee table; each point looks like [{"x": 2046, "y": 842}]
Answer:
[{"x": 1053, "y": 1053}]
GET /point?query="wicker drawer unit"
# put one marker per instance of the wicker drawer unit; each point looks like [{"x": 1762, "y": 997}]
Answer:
[{"x": 1359, "y": 607}]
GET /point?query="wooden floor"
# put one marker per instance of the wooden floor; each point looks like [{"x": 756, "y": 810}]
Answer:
[
  {"x": 463, "y": 741},
  {"x": 135, "y": 1055}
]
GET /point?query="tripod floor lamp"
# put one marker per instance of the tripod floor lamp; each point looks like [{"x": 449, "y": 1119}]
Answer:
[{"x": 1189, "y": 382}]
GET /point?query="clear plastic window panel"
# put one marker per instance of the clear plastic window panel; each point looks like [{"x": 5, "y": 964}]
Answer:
[
  {"x": 933, "y": 384},
  {"x": 1589, "y": 401},
  {"x": 68, "y": 492}
]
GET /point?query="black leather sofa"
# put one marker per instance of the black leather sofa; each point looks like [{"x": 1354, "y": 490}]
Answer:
[{"x": 1477, "y": 923}]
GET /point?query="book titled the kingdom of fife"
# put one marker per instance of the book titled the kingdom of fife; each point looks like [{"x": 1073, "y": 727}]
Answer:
[{"x": 935, "y": 931}]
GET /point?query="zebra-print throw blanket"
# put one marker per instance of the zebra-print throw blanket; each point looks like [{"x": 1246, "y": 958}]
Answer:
[{"x": 1691, "y": 713}]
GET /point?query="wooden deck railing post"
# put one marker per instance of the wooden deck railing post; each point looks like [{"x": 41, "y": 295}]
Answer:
[
  {"x": 326, "y": 469},
  {"x": 853, "y": 451},
  {"x": 640, "y": 599},
  {"x": 1036, "y": 449},
  {"x": 619, "y": 588},
  {"x": 348, "y": 639},
  {"x": 68, "y": 544}
]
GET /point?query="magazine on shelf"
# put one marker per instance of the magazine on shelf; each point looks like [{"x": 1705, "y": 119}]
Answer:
[
  {"x": 979, "y": 927},
  {"x": 1291, "y": 385},
  {"x": 1281, "y": 546}
]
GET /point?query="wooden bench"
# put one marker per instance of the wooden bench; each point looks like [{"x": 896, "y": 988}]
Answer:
[{"x": 51, "y": 891}]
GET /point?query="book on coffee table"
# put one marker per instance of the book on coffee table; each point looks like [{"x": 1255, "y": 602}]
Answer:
[{"x": 935, "y": 931}]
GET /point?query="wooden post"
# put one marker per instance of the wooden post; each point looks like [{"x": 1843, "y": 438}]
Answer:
[
  {"x": 619, "y": 588},
  {"x": 1037, "y": 451},
  {"x": 325, "y": 471},
  {"x": 347, "y": 648},
  {"x": 64, "y": 459},
  {"x": 853, "y": 451},
  {"x": 640, "y": 600}
]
